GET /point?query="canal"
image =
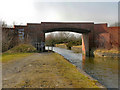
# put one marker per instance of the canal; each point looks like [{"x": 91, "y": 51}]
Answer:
[{"x": 105, "y": 70}]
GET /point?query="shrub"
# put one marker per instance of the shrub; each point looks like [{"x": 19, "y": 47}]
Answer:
[
  {"x": 73, "y": 43},
  {"x": 24, "y": 48},
  {"x": 69, "y": 45}
]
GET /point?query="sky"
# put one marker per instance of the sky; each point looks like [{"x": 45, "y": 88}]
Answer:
[{"x": 36, "y": 11}]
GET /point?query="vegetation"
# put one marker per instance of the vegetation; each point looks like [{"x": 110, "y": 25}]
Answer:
[
  {"x": 22, "y": 48},
  {"x": 73, "y": 43},
  {"x": 61, "y": 45},
  {"x": 107, "y": 51},
  {"x": 13, "y": 56},
  {"x": 17, "y": 52},
  {"x": 70, "y": 72},
  {"x": 9, "y": 38},
  {"x": 67, "y": 38},
  {"x": 77, "y": 49}
]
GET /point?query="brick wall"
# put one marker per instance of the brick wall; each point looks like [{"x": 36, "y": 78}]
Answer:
[
  {"x": 114, "y": 37},
  {"x": 106, "y": 37}
]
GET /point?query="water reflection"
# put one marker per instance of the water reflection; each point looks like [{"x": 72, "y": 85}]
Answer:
[
  {"x": 105, "y": 70},
  {"x": 83, "y": 61}
]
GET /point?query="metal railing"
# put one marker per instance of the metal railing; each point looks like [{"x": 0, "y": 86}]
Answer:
[{"x": 39, "y": 46}]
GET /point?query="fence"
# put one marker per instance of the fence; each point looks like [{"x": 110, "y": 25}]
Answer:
[{"x": 39, "y": 46}]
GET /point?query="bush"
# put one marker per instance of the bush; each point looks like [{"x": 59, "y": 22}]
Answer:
[
  {"x": 69, "y": 45},
  {"x": 73, "y": 43},
  {"x": 24, "y": 48}
]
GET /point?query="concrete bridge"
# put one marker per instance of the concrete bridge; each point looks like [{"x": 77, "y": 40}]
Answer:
[{"x": 93, "y": 35}]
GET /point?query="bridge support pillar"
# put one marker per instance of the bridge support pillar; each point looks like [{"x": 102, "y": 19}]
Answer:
[{"x": 85, "y": 44}]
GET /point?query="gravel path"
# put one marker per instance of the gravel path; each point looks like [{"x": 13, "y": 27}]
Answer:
[{"x": 33, "y": 71}]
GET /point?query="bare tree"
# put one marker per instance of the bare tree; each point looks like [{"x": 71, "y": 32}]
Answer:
[
  {"x": 9, "y": 37},
  {"x": 63, "y": 37}
]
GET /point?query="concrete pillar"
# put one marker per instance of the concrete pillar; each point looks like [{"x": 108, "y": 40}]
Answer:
[{"x": 85, "y": 44}]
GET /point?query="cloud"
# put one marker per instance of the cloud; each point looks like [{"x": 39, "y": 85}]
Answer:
[
  {"x": 37, "y": 11},
  {"x": 78, "y": 11}
]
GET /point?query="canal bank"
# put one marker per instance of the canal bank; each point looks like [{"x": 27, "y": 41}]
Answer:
[
  {"x": 87, "y": 75},
  {"x": 105, "y": 70},
  {"x": 106, "y": 53}
]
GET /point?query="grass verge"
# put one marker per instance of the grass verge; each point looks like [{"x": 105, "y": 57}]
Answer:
[
  {"x": 70, "y": 72},
  {"x": 13, "y": 56},
  {"x": 107, "y": 51},
  {"x": 77, "y": 49},
  {"x": 61, "y": 45},
  {"x": 17, "y": 52}
]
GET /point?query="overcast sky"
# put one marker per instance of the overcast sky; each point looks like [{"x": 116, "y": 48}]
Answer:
[{"x": 36, "y": 11}]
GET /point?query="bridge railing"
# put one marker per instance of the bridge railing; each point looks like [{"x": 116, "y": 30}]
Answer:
[{"x": 39, "y": 46}]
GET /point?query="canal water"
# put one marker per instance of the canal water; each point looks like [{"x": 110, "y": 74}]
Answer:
[{"x": 105, "y": 70}]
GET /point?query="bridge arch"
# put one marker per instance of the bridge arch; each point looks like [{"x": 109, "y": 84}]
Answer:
[
  {"x": 67, "y": 29},
  {"x": 85, "y": 36}
]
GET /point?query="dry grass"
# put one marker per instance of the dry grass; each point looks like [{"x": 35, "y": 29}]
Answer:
[
  {"x": 77, "y": 49},
  {"x": 71, "y": 73},
  {"x": 22, "y": 48},
  {"x": 61, "y": 45},
  {"x": 18, "y": 52},
  {"x": 6, "y": 57},
  {"x": 107, "y": 51}
]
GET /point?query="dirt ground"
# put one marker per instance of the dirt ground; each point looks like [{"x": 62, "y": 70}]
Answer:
[{"x": 43, "y": 70}]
